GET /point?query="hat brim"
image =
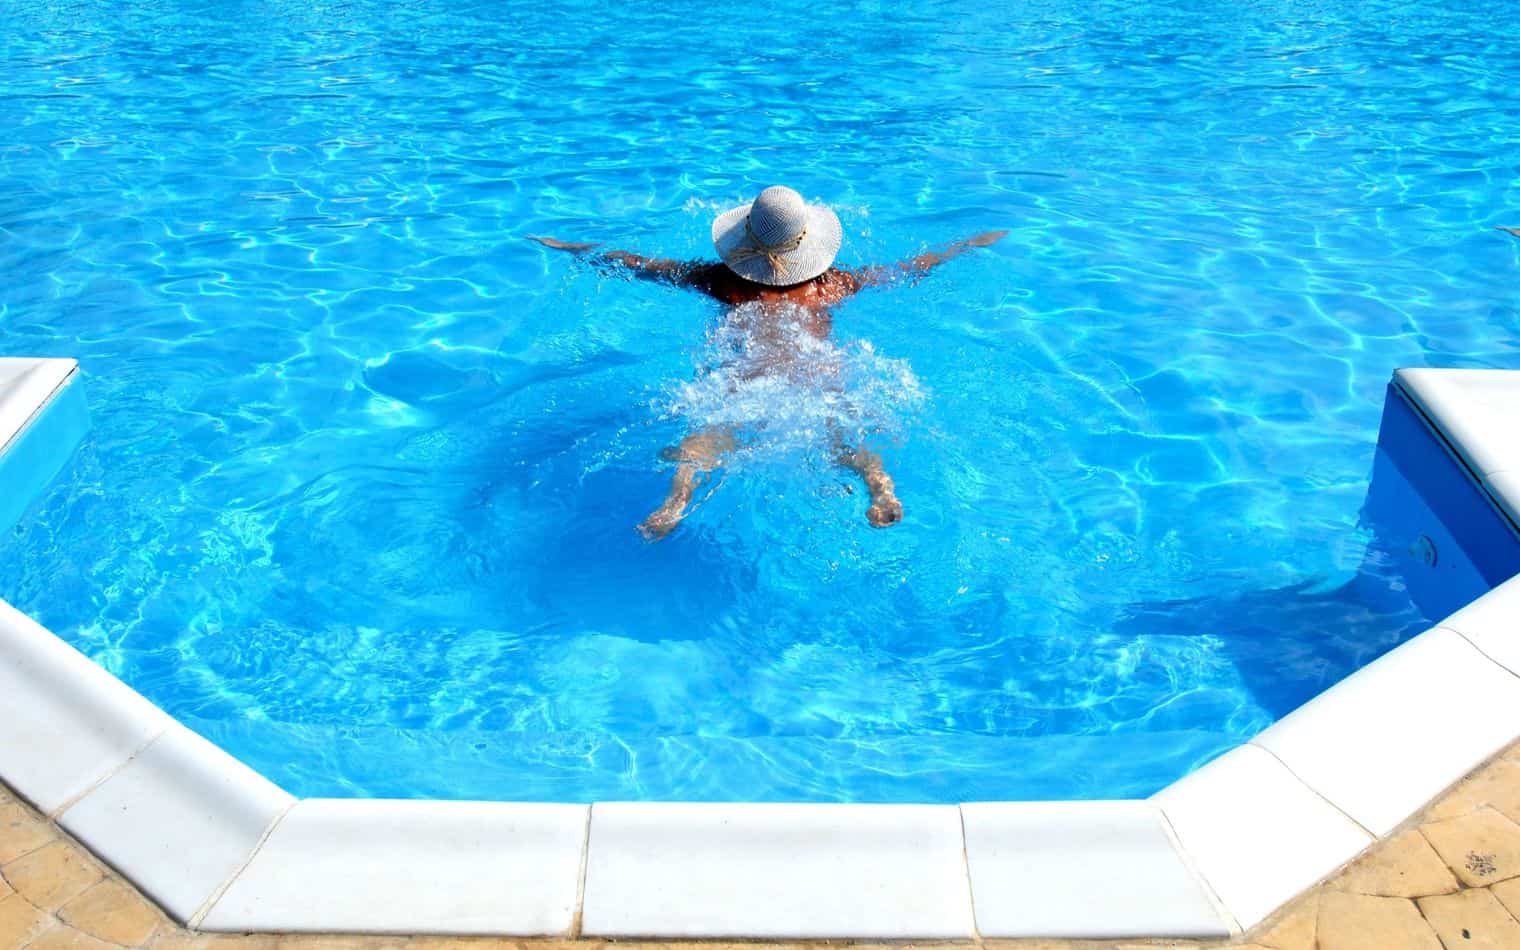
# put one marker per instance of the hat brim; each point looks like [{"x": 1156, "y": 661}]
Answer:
[{"x": 819, "y": 246}]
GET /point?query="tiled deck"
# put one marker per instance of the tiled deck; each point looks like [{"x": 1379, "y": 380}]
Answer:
[{"x": 1450, "y": 877}]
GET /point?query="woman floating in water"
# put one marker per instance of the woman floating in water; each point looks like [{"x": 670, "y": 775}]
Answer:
[{"x": 778, "y": 254}]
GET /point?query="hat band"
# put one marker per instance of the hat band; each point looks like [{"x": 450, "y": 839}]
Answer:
[{"x": 758, "y": 248}]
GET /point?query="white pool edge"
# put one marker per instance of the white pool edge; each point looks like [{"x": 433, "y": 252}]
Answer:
[
  {"x": 27, "y": 386},
  {"x": 223, "y": 849}
]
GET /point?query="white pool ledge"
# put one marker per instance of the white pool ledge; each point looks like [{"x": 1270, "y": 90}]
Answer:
[
  {"x": 1380, "y": 744},
  {"x": 403, "y": 867},
  {"x": 26, "y": 386},
  {"x": 183, "y": 815},
  {"x": 1101, "y": 869},
  {"x": 65, "y": 726},
  {"x": 776, "y": 871},
  {"x": 223, "y": 849},
  {"x": 1478, "y": 412}
]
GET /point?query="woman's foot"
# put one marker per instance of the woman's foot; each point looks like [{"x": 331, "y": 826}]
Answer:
[
  {"x": 698, "y": 452},
  {"x": 665, "y": 518},
  {"x": 660, "y": 523},
  {"x": 885, "y": 510}
]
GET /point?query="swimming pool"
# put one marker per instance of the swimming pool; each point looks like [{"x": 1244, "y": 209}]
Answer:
[{"x": 359, "y": 496}]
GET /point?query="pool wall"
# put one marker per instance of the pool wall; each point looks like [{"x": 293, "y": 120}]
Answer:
[
  {"x": 1456, "y": 542},
  {"x": 223, "y": 849}
]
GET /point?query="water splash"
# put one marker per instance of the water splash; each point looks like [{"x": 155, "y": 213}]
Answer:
[{"x": 781, "y": 388}]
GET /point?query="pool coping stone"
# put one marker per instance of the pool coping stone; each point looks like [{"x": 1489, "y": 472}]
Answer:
[
  {"x": 401, "y": 867},
  {"x": 687, "y": 869},
  {"x": 1504, "y": 488},
  {"x": 1380, "y": 746},
  {"x": 1492, "y": 625},
  {"x": 65, "y": 727},
  {"x": 1256, "y": 833},
  {"x": 221, "y": 848},
  {"x": 179, "y": 819},
  {"x": 26, "y": 386},
  {"x": 1474, "y": 409},
  {"x": 1036, "y": 868}
]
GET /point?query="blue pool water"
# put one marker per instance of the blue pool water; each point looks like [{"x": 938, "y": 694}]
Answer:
[{"x": 359, "y": 496}]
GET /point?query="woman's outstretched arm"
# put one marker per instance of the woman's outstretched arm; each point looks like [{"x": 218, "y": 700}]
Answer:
[
  {"x": 924, "y": 263},
  {"x": 645, "y": 268}
]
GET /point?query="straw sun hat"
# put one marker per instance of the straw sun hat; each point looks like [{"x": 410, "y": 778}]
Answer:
[{"x": 778, "y": 239}]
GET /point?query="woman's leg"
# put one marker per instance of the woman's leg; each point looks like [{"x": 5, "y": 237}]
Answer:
[
  {"x": 699, "y": 452},
  {"x": 885, "y": 509}
]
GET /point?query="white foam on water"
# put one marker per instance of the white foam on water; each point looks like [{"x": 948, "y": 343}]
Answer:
[{"x": 780, "y": 388}]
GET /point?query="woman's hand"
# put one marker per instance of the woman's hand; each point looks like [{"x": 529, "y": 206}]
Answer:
[
  {"x": 635, "y": 265},
  {"x": 559, "y": 245},
  {"x": 919, "y": 266},
  {"x": 985, "y": 239}
]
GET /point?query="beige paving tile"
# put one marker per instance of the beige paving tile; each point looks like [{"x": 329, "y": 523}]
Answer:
[
  {"x": 171, "y": 937},
  {"x": 553, "y": 943},
  {"x": 1294, "y": 927},
  {"x": 19, "y": 921},
  {"x": 339, "y": 942},
  {"x": 67, "y": 938},
  {"x": 462, "y": 943},
  {"x": 997, "y": 943},
  {"x": 112, "y": 911},
  {"x": 1497, "y": 785},
  {"x": 1034, "y": 942},
  {"x": 1483, "y": 848},
  {"x": 1472, "y": 919},
  {"x": 52, "y": 874},
  {"x": 1508, "y": 893},
  {"x": 1364, "y": 922},
  {"x": 1403, "y": 866},
  {"x": 21, "y": 831}
]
